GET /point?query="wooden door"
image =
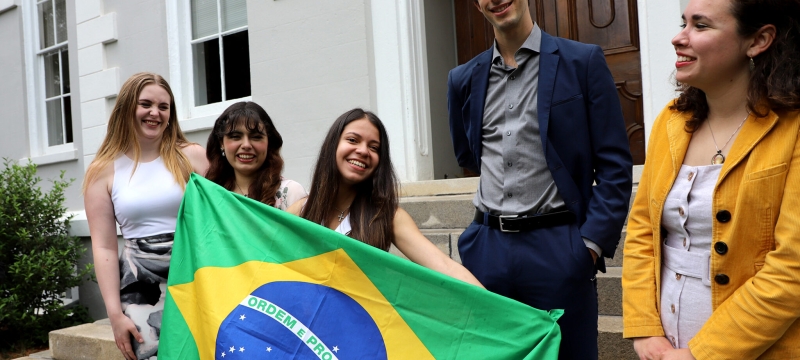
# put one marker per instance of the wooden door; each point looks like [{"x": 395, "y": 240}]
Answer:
[{"x": 611, "y": 24}]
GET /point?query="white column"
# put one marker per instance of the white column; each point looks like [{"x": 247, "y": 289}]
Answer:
[
  {"x": 658, "y": 24},
  {"x": 401, "y": 81}
]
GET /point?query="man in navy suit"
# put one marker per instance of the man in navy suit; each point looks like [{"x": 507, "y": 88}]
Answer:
[{"x": 539, "y": 119}]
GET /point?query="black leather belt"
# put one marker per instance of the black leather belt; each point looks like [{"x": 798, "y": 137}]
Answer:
[{"x": 517, "y": 223}]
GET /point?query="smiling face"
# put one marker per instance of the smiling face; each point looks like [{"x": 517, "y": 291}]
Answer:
[
  {"x": 710, "y": 51},
  {"x": 504, "y": 15},
  {"x": 245, "y": 150},
  {"x": 357, "y": 153},
  {"x": 152, "y": 112}
]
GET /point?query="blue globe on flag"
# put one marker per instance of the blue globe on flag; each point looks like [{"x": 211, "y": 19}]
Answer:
[{"x": 298, "y": 320}]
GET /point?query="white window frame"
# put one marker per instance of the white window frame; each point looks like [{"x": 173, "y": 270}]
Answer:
[
  {"x": 181, "y": 69},
  {"x": 40, "y": 151}
]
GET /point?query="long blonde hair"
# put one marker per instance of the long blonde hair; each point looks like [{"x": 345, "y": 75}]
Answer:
[{"x": 121, "y": 134}]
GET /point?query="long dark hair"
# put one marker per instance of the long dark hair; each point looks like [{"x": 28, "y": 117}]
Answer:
[
  {"x": 372, "y": 211},
  {"x": 775, "y": 80},
  {"x": 255, "y": 120}
]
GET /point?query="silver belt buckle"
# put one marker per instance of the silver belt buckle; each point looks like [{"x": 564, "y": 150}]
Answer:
[{"x": 500, "y": 220}]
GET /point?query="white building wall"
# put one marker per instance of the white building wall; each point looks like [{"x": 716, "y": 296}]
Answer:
[
  {"x": 309, "y": 61},
  {"x": 14, "y": 137}
]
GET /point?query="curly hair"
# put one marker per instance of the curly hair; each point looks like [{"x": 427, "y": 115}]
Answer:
[
  {"x": 775, "y": 80},
  {"x": 255, "y": 120}
]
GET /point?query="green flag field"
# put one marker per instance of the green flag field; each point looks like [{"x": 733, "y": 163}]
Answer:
[{"x": 248, "y": 281}]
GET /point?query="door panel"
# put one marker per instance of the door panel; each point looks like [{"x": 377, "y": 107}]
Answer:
[{"x": 611, "y": 24}]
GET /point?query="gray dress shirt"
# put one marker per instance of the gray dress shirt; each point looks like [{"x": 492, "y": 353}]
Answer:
[
  {"x": 515, "y": 178},
  {"x": 514, "y": 174}
]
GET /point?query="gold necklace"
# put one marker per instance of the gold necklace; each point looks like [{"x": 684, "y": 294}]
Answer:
[{"x": 718, "y": 158}]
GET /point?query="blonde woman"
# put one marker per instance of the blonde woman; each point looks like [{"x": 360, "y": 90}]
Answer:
[{"x": 137, "y": 180}]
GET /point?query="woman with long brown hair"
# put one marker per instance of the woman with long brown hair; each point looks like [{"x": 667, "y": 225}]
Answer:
[
  {"x": 137, "y": 180},
  {"x": 354, "y": 192},
  {"x": 711, "y": 266},
  {"x": 244, "y": 151}
]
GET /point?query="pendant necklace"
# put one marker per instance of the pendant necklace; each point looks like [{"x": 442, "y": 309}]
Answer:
[
  {"x": 341, "y": 214},
  {"x": 718, "y": 158},
  {"x": 240, "y": 189}
]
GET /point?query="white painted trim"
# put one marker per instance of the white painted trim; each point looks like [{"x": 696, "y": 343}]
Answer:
[
  {"x": 87, "y": 9},
  {"x": 414, "y": 72},
  {"x": 8, "y": 5},
  {"x": 30, "y": 34},
  {"x": 34, "y": 77},
  {"x": 79, "y": 224},
  {"x": 657, "y": 56},
  {"x": 101, "y": 30},
  {"x": 181, "y": 76},
  {"x": 401, "y": 84},
  {"x": 65, "y": 152}
]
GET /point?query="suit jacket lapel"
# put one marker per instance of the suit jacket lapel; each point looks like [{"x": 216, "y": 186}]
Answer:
[
  {"x": 479, "y": 84},
  {"x": 548, "y": 65}
]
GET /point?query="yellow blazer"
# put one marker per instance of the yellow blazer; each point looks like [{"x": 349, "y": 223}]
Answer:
[{"x": 755, "y": 313}]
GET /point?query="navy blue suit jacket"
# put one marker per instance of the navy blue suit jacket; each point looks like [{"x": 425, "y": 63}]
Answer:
[{"x": 581, "y": 125}]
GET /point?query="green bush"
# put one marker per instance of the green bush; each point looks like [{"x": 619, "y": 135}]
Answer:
[{"x": 38, "y": 258}]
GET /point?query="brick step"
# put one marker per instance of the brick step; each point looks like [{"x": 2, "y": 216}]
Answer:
[{"x": 85, "y": 342}]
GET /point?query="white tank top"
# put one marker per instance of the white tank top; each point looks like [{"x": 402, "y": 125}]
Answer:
[{"x": 146, "y": 203}]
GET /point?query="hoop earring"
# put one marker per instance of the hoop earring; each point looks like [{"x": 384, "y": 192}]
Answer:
[{"x": 752, "y": 64}]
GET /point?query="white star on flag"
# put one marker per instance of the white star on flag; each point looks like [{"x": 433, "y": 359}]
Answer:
[
  {"x": 241, "y": 349},
  {"x": 269, "y": 349},
  {"x": 336, "y": 349},
  {"x": 242, "y": 317},
  {"x": 232, "y": 349},
  {"x": 223, "y": 354}
]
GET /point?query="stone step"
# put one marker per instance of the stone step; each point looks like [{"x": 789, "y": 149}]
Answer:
[
  {"x": 42, "y": 355},
  {"x": 609, "y": 284},
  {"x": 609, "y": 291},
  {"x": 96, "y": 341},
  {"x": 617, "y": 260},
  {"x": 611, "y": 345},
  {"x": 85, "y": 342},
  {"x": 444, "y": 239},
  {"x": 440, "y": 212}
]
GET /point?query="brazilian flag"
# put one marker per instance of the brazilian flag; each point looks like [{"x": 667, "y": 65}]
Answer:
[{"x": 248, "y": 281}]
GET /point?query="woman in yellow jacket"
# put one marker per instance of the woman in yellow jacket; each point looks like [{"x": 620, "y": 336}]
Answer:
[{"x": 712, "y": 256}]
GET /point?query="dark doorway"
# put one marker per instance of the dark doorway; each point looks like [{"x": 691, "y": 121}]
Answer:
[{"x": 611, "y": 24}]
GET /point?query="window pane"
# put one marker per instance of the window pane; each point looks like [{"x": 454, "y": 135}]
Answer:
[
  {"x": 65, "y": 72},
  {"x": 52, "y": 83},
  {"x": 61, "y": 21},
  {"x": 207, "y": 81},
  {"x": 234, "y": 14},
  {"x": 55, "y": 130},
  {"x": 237, "y": 65},
  {"x": 68, "y": 118},
  {"x": 46, "y": 31},
  {"x": 204, "y": 18}
]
